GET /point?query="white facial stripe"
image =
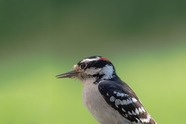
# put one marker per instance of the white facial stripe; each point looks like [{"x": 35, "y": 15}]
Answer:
[
  {"x": 92, "y": 59},
  {"x": 92, "y": 70},
  {"x": 107, "y": 71}
]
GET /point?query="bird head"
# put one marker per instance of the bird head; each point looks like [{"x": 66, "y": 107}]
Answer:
[{"x": 93, "y": 67}]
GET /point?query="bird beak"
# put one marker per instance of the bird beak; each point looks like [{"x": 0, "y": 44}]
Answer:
[{"x": 69, "y": 74}]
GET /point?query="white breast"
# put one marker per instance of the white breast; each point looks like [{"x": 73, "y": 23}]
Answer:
[{"x": 98, "y": 107}]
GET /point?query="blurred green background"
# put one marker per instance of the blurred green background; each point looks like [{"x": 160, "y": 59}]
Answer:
[{"x": 146, "y": 41}]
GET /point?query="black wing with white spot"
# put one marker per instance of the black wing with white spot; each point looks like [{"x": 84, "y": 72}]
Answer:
[{"x": 121, "y": 97}]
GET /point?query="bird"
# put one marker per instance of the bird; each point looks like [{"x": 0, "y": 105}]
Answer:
[{"x": 109, "y": 99}]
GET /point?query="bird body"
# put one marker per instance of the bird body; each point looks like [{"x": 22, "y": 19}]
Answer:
[
  {"x": 97, "y": 106},
  {"x": 106, "y": 96}
]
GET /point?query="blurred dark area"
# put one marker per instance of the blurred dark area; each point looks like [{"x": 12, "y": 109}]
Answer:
[{"x": 60, "y": 26}]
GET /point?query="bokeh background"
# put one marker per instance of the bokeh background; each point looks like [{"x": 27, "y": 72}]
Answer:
[{"x": 146, "y": 41}]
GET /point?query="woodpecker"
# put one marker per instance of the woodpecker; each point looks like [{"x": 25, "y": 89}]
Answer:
[{"x": 109, "y": 99}]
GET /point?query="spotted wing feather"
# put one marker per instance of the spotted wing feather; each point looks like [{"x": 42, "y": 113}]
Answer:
[{"x": 123, "y": 99}]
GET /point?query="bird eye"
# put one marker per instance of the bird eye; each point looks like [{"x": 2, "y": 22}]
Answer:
[{"x": 83, "y": 65}]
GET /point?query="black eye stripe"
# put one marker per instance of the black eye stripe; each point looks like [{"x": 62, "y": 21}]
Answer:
[
  {"x": 100, "y": 64},
  {"x": 82, "y": 65},
  {"x": 94, "y": 64}
]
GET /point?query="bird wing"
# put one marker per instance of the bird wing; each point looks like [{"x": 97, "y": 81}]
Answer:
[{"x": 121, "y": 97}]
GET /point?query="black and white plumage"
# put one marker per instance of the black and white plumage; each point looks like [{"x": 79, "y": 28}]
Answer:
[{"x": 107, "y": 97}]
